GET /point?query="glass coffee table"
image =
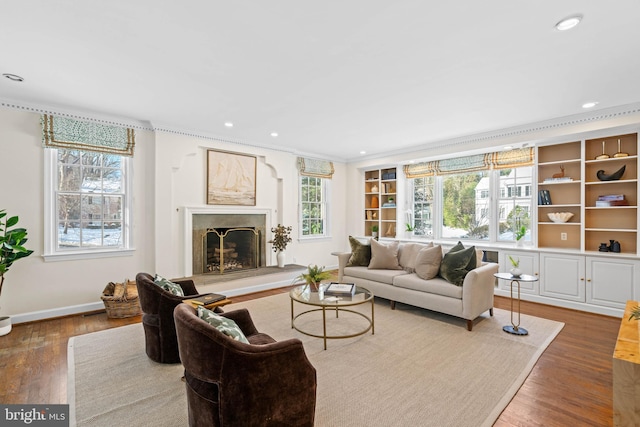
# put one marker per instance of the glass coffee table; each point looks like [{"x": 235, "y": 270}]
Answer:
[{"x": 303, "y": 295}]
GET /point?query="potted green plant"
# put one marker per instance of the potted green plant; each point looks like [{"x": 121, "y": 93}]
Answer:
[
  {"x": 374, "y": 231},
  {"x": 314, "y": 276},
  {"x": 281, "y": 237},
  {"x": 515, "y": 271},
  {"x": 409, "y": 228},
  {"x": 12, "y": 240}
]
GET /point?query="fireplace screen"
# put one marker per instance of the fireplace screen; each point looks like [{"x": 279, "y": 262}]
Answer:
[{"x": 230, "y": 249}]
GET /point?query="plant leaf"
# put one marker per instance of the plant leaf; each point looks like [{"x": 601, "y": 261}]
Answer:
[{"x": 12, "y": 221}]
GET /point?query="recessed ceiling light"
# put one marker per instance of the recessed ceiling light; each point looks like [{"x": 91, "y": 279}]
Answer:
[
  {"x": 568, "y": 22},
  {"x": 363, "y": 152},
  {"x": 508, "y": 147},
  {"x": 589, "y": 104},
  {"x": 274, "y": 134},
  {"x": 228, "y": 124},
  {"x": 13, "y": 77}
]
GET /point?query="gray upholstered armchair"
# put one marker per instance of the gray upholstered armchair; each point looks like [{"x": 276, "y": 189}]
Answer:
[
  {"x": 157, "y": 306},
  {"x": 231, "y": 383}
]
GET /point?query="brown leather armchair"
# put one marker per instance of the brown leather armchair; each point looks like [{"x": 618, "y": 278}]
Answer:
[
  {"x": 230, "y": 383},
  {"x": 157, "y": 306}
]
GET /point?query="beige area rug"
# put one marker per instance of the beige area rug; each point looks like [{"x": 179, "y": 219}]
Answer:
[{"x": 419, "y": 368}]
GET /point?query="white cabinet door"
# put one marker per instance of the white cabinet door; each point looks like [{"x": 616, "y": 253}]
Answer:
[
  {"x": 611, "y": 282},
  {"x": 529, "y": 264},
  {"x": 562, "y": 276}
]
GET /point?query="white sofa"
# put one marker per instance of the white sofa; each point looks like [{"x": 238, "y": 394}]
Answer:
[{"x": 468, "y": 301}]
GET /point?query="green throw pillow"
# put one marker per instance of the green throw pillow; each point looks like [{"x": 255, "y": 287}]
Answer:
[
  {"x": 360, "y": 253},
  {"x": 168, "y": 285},
  {"x": 457, "y": 263},
  {"x": 223, "y": 324}
]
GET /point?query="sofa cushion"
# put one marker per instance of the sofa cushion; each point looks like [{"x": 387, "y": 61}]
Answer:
[
  {"x": 437, "y": 285},
  {"x": 384, "y": 255},
  {"x": 360, "y": 253},
  {"x": 168, "y": 285},
  {"x": 428, "y": 262},
  {"x": 223, "y": 324},
  {"x": 407, "y": 253},
  {"x": 382, "y": 276},
  {"x": 457, "y": 263}
]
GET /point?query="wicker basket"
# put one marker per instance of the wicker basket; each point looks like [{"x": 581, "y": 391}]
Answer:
[{"x": 121, "y": 301}]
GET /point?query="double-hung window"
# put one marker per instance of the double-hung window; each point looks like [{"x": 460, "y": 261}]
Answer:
[
  {"x": 87, "y": 190},
  {"x": 313, "y": 206},
  {"x": 315, "y": 181}
]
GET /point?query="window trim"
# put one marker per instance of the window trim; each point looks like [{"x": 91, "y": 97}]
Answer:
[{"x": 50, "y": 253}]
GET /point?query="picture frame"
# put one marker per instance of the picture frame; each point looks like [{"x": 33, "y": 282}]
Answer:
[{"x": 231, "y": 178}]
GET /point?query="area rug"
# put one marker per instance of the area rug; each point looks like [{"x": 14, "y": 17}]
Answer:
[{"x": 419, "y": 368}]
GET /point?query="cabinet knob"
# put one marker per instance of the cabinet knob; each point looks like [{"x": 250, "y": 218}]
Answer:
[
  {"x": 588, "y": 280},
  {"x": 582, "y": 279}
]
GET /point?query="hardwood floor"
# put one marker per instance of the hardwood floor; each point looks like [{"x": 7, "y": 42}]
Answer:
[{"x": 570, "y": 385}]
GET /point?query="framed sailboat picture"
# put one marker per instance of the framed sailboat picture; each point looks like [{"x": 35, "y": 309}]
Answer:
[{"x": 231, "y": 178}]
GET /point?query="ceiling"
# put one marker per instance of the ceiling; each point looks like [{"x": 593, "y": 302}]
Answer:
[{"x": 332, "y": 78}]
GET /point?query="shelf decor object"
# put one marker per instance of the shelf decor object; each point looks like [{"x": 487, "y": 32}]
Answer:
[
  {"x": 560, "y": 217},
  {"x": 603, "y": 155},
  {"x": 602, "y": 176},
  {"x": 620, "y": 153}
]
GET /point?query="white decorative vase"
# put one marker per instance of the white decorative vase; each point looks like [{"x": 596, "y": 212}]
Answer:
[
  {"x": 5, "y": 325},
  {"x": 519, "y": 243},
  {"x": 515, "y": 272},
  {"x": 280, "y": 256}
]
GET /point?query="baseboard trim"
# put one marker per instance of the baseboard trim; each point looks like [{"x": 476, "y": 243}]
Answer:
[
  {"x": 56, "y": 312},
  {"x": 606, "y": 311}
]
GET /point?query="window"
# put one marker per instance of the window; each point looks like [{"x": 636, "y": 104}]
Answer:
[
  {"x": 423, "y": 191},
  {"x": 516, "y": 205},
  {"x": 480, "y": 205},
  {"x": 88, "y": 202},
  {"x": 463, "y": 213},
  {"x": 313, "y": 206}
]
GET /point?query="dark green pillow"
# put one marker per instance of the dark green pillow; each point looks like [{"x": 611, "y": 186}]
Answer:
[
  {"x": 360, "y": 253},
  {"x": 457, "y": 263}
]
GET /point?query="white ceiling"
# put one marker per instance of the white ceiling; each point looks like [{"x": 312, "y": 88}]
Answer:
[{"x": 331, "y": 77}]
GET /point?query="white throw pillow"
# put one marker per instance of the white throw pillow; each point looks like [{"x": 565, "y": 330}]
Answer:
[
  {"x": 384, "y": 256},
  {"x": 428, "y": 262},
  {"x": 407, "y": 253}
]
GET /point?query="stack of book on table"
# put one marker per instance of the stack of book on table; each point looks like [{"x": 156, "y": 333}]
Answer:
[
  {"x": 207, "y": 299},
  {"x": 607, "y": 200},
  {"x": 340, "y": 289}
]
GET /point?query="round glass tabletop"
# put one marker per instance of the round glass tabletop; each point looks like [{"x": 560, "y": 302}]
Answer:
[{"x": 303, "y": 294}]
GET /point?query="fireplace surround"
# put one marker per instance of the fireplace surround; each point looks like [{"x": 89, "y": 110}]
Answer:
[{"x": 213, "y": 233}]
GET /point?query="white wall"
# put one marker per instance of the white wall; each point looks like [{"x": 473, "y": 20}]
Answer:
[
  {"x": 34, "y": 288},
  {"x": 169, "y": 174},
  {"x": 181, "y": 182}
]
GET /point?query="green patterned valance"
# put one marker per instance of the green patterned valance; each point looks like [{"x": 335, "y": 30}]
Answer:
[
  {"x": 498, "y": 160},
  {"x": 63, "y": 132},
  {"x": 315, "y": 168}
]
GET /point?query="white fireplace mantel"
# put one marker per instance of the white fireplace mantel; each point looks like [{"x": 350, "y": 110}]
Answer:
[{"x": 189, "y": 211}]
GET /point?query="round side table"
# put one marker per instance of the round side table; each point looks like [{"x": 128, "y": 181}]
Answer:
[{"x": 514, "y": 328}]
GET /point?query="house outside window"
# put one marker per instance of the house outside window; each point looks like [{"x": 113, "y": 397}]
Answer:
[{"x": 517, "y": 203}]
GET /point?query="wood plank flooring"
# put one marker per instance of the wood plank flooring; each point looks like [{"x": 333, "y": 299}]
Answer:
[{"x": 570, "y": 385}]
